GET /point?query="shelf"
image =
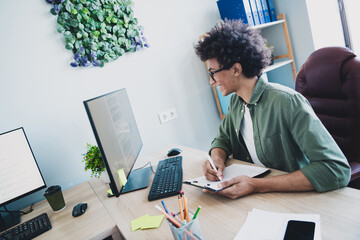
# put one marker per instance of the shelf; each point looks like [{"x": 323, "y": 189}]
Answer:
[
  {"x": 277, "y": 65},
  {"x": 267, "y": 24}
]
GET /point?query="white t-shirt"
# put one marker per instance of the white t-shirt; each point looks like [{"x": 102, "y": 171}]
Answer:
[{"x": 247, "y": 133}]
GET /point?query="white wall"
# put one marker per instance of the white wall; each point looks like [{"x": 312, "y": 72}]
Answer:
[
  {"x": 325, "y": 23},
  {"x": 311, "y": 26},
  {"x": 353, "y": 18},
  {"x": 300, "y": 36},
  {"x": 42, "y": 93},
  {"x": 298, "y": 24}
]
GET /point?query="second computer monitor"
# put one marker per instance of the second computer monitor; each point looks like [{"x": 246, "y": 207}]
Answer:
[{"x": 117, "y": 135}]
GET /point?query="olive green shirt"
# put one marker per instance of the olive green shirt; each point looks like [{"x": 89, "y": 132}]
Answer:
[{"x": 287, "y": 134}]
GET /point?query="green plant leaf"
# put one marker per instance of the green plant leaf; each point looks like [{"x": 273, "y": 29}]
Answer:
[
  {"x": 79, "y": 18},
  {"x": 86, "y": 18},
  {"x": 69, "y": 46},
  {"x": 74, "y": 23},
  {"x": 85, "y": 10},
  {"x": 96, "y": 33},
  {"x": 74, "y": 11},
  {"x": 65, "y": 16},
  {"x": 135, "y": 21},
  {"x": 60, "y": 28},
  {"x": 52, "y": 11},
  {"x": 78, "y": 35},
  {"x": 85, "y": 34},
  {"x": 69, "y": 6},
  {"x": 100, "y": 16},
  {"x": 102, "y": 26},
  {"x": 77, "y": 45}
]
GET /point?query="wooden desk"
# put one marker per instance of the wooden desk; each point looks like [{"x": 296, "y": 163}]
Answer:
[
  {"x": 95, "y": 223},
  {"x": 220, "y": 217}
]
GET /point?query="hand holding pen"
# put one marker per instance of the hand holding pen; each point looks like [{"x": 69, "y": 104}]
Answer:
[{"x": 212, "y": 171}]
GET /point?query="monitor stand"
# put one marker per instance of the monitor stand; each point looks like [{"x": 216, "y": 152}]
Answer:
[
  {"x": 9, "y": 220},
  {"x": 138, "y": 179}
]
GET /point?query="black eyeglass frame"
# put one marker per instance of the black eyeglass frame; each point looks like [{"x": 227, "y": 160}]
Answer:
[{"x": 211, "y": 73}]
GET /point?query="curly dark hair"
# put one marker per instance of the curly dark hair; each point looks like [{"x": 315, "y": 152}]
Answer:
[{"x": 231, "y": 42}]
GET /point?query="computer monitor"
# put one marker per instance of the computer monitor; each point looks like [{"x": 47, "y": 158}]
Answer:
[
  {"x": 20, "y": 175},
  {"x": 118, "y": 139}
]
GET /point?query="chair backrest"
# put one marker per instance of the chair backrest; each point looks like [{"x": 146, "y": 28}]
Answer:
[{"x": 330, "y": 80}]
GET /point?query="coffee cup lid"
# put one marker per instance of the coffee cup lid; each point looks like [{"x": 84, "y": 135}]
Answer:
[{"x": 52, "y": 190}]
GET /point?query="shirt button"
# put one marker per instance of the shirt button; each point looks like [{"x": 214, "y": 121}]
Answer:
[
  {"x": 255, "y": 104},
  {"x": 242, "y": 110},
  {"x": 247, "y": 158},
  {"x": 236, "y": 130}
]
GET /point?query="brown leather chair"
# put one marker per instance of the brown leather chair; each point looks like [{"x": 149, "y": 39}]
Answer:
[{"x": 330, "y": 80}]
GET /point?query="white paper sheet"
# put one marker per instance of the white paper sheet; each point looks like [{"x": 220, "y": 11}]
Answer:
[
  {"x": 230, "y": 172},
  {"x": 265, "y": 225}
]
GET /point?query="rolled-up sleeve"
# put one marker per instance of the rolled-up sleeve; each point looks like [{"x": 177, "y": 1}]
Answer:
[
  {"x": 328, "y": 168},
  {"x": 222, "y": 140}
]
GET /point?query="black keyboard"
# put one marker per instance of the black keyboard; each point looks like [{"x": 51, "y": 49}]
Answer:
[
  {"x": 168, "y": 179},
  {"x": 29, "y": 229}
]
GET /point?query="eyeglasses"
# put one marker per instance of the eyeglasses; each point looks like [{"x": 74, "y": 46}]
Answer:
[{"x": 211, "y": 73}]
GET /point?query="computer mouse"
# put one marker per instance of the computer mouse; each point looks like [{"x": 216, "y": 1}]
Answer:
[
  {"x": 173, "y": 152},
  {"x": 79, "y": 209}
]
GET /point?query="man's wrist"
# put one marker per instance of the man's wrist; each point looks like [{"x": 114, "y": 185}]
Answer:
[
  {"x": 258, "y": 185},
  {"x": 218, "y": 155}
]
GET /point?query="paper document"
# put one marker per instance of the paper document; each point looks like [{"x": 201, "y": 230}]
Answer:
[
  {"x": 265, "y": 225},
  {"x": 230, "y": 172}
]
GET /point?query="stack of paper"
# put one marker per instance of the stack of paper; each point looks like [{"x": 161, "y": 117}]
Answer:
[{"x": 264, "y": 225}]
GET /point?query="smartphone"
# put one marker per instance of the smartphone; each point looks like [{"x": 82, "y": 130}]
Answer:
[{"x": 299, "y": 230}]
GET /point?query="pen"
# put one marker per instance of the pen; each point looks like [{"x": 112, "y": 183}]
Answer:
[
  {"x": 186, "y": 208},
  {"x": 213, "y": 165},
  {"x": 176, "y": 224},
  {"x": 181, "y": 210},
  {"x": 183, "y": 202},
  {"x": 175, "y": 217},
  {"x": 164, "y": 207},
  {"x": 196, "y": 213}
]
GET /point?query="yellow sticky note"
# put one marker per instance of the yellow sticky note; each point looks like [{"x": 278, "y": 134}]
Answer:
[
  {"x": 138, "y": 222},
  {"x": 146, "y": 221},
  {"x": 152, "y": 222},
  {"x": 122, "y": 177}
]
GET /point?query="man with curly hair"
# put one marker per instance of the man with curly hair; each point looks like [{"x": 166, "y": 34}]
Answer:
[{"x": 267, "y": 124}]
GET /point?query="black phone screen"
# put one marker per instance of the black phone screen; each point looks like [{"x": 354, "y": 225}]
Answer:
[{"x": 299, "y": 230}]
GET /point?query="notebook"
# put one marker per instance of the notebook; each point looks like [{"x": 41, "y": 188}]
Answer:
[{"x": 230, "y": 172}]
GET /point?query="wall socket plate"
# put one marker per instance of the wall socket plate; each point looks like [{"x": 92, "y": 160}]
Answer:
[{"x": 167, "y": 115}]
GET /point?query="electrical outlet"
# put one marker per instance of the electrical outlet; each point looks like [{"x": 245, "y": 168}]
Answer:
[{"x": 167, "y": 115}]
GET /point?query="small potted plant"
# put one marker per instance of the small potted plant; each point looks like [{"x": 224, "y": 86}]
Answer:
[
  {"x": 93, "y": 161},
  {"x": 272, "y": 50}
]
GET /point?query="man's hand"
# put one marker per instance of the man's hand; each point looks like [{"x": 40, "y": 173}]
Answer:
[
  {"x": 219, "y": 156},
  {"x": 242, "y": 185},
  {"x": 210, "y": 173},
  {"x": 237, "y": 187}
]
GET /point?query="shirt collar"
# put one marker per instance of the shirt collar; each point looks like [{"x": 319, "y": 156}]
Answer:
[{"x": 260, "y": 86}]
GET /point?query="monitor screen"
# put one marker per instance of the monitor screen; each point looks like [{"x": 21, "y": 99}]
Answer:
[
  {"x": 20, "y": 175},
  {"x": 116, "y": 133}
]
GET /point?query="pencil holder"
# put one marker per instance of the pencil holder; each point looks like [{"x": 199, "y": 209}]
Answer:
[{"x": 190, "y": 230}]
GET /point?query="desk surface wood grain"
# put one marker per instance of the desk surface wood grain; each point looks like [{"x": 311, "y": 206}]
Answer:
[
  {"x": 220, "y": 217},
  {"x": 95, "y": 223}
]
